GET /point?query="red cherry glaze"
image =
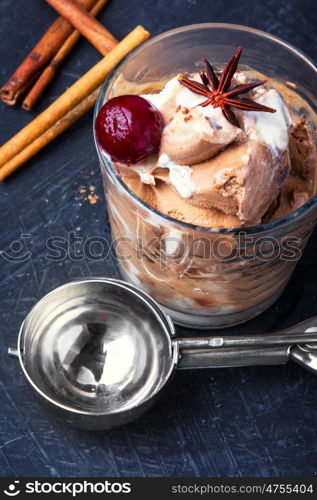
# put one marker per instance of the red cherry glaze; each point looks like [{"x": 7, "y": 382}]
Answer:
[{"x": 129, "y": 128}]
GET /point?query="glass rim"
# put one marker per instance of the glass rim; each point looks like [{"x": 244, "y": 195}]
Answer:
[{"x": 281, "y": 222}]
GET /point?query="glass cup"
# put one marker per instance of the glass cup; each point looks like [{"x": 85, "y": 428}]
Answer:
[{"x": 206, "y": 278}]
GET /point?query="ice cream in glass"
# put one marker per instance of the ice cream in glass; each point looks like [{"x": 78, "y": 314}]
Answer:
[{"x": 210, "y": 176}]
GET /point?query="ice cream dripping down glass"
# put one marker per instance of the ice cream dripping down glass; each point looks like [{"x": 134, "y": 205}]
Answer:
[{"x": 205, "y": 277}]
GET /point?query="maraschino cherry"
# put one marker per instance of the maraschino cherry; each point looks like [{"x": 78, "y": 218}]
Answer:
[{"x": 129, "y": 128}]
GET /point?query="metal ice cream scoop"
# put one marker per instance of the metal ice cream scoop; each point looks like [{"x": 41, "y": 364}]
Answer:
[{"x": 99, "y": 351}]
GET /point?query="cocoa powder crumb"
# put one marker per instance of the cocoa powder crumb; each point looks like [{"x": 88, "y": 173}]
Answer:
[
  {"x": 92, "y": 198},
  {"x": 291, "y": 85}
]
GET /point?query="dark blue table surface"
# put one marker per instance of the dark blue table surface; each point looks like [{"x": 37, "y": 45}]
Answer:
[{"x": 227, "y": 422}]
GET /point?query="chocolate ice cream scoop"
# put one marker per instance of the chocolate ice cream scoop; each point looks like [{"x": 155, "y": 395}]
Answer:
[
  {"x": 197, "y": 134},
  {"x": 192, "y": 133},
  {"x": 241, "y": 181}
]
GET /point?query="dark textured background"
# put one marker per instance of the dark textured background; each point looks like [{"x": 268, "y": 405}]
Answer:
[{"x": 233, "y": 422}]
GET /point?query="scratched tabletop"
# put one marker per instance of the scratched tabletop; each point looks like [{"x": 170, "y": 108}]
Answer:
[{"x": 257, "y": 421}]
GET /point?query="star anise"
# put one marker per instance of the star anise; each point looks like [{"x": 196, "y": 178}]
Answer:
[{"x": 218, "y": 91}]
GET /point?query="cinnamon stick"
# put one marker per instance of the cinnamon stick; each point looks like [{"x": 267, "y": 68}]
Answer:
[
  {"x": 86, "y": 24},
  {"x": 50, "y": 71},
  {"x": 45, "y": 49},
  {"x": 58, "y": 128},
  {"x": 71, "y": 97}
]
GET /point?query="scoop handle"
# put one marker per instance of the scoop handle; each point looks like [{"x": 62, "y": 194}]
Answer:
[{"x": 298, "y": 343}]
